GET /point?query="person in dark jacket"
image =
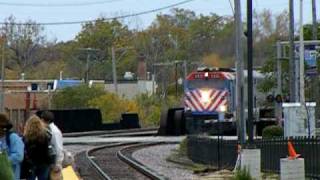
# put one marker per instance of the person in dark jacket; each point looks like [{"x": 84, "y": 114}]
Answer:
[
  {"x": 37, "y": 143},
  {"x": 47, "y": 118}
]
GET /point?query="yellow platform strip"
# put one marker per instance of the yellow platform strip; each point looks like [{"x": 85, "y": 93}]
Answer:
[{"x": 69, "y": 174}]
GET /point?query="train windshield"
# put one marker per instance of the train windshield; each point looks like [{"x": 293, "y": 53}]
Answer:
[{"x": 208, "y": 84}]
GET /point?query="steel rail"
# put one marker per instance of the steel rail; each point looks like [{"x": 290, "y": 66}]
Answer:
[
  {"x": 106, "y": 132},
  {"x": 138, "y": 166},
  {"x": 94, "y": 164}
]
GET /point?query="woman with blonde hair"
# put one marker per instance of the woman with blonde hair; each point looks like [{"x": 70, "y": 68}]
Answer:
[{"x": 37, "y": 143}]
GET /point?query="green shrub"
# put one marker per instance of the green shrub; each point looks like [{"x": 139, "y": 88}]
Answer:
[
  {"x": 112, "y": 106},
  {"x": 272, "y": 131},
  {"x": 242, "y": 174},
  {"x": 183, "y": 147},
  {"x": 76, "y": 97}
]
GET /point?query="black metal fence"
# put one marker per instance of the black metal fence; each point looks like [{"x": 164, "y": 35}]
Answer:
[
  {"x": 205, "y": 150},
  {"x": 273, "y": 150}
]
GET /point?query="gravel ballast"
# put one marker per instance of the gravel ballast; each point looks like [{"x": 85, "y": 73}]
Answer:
[{"x": 154, "y": 157}]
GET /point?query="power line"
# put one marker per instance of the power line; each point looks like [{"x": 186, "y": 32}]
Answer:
[
  {"x": 106, "y": 19},
  {"x": 230, "y": 3},
  {"x": 56, "y": 4}
]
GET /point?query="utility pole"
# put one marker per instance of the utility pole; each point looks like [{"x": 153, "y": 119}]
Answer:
[
  {"x": 88, "y": 51},
  {"x": 49, "y": 97},
  {"x": 2, "y": 74},
  {"x": 241, "y": 124},
  {"x": 185, "y": 69},
  {"x": 314, "y": 21},
  {"x": 114, "y": 70},
  {"x": 278, "y": 112},
  {"x": 292, "y": 64},
  {"x": 315, "y": 79},
  {"x": 301, "y": 50},
  {"x": 87, "y": 67},
  {"x": 60, "y": 75},
  {"x": 176, "y": 77},
  {"x": 250, "y": 69}
]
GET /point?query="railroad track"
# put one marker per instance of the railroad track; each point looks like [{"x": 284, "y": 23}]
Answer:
[
  {"x": 112, "y": 133},
  {"x": 114, "y": 161}
]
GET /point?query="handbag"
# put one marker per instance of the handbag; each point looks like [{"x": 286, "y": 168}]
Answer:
[
  {"x": 6, "y": 171},
  {"x": 52, "y": 153},
  {"x": 68, "y": 159},
  {"x": 56, "y": 175}
]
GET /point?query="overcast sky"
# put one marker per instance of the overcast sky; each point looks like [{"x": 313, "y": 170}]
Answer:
[{"x": 112, "y": 8}]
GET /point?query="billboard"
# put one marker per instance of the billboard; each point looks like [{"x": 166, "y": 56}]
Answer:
[{"x": 311, "y": 55}]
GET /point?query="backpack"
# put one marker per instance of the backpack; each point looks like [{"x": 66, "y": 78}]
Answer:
[
  {"x": 8, "y": 133},
  {"x": 40, "y": 152},
  {"x": 52, "y": 152}
]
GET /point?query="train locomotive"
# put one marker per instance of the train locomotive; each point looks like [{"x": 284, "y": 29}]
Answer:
[
  {"x": 209, "y": 93},
  {"x": 209, "y": 105}
]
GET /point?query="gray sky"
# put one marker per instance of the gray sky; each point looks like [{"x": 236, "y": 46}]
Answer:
[{"x": 120, "y": 7}]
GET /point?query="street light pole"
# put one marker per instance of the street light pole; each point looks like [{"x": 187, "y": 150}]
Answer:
[{"x": 250, "y": 64}]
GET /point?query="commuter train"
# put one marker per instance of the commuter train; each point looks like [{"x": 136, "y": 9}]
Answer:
[
  {"x": 209, "y": 92},
  {"x": 209, "y": 96},
  {"x": 209, "y": 104}
]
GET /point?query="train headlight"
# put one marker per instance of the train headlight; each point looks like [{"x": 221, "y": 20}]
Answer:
[
  {"x": 205, "y": 96},
  {"x": 223, "y": 108}
]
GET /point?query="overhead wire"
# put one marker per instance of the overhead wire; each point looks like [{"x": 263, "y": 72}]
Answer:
[
  {"x": 57, "y": 4},
  {"x": 108, "y": 18},
  {"x": 230, "y": 3}
]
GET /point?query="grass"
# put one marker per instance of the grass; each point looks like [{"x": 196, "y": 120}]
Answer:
[{"x": 242, "y": 174}]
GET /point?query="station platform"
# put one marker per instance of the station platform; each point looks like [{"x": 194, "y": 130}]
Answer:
[{"x": 69, "y": 174}]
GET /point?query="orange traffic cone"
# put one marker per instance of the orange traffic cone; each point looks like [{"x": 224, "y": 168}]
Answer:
[{"x": 292, "y": 152}]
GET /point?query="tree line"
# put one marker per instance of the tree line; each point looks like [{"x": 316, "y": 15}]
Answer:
[{"x": 178, "y": 35}]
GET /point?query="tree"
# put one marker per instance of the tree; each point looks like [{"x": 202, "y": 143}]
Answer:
[
  {"x": 75, "y": 97},
  {"x": 25, "y": 42},
  {"x": 307, "y": 30},
  {"x": 102, "y": 35},
  {"x": 268, "y": 29}
]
